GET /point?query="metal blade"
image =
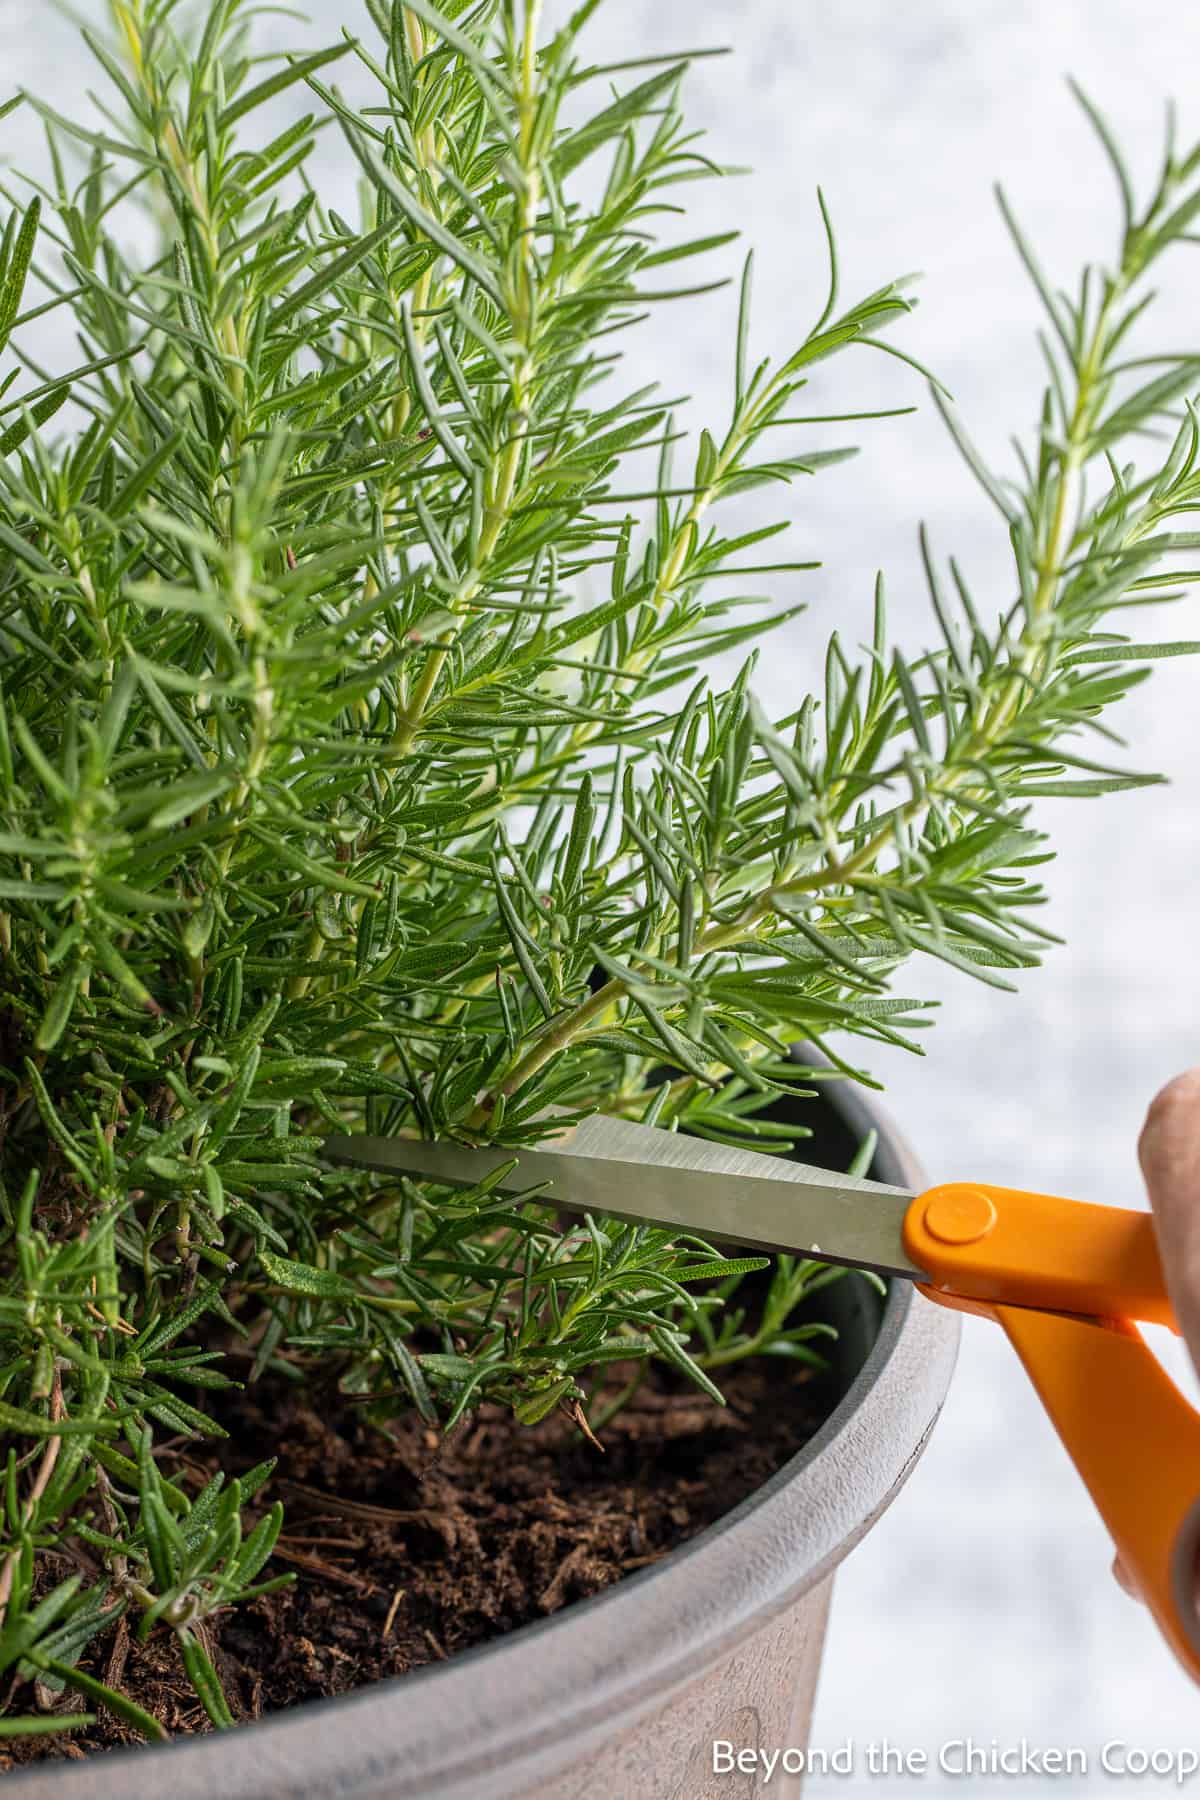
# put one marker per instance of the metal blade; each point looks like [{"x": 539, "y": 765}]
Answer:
[{"x": 654, "y": 1177}]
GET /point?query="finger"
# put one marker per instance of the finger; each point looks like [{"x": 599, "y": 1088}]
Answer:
[
  {"x": 1125, "y": 1580},
  {"x": 1169, "y": 1153},
  {"x": 1128, "y": 1583}
]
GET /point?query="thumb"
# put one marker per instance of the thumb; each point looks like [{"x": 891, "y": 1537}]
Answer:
[{"x": 1169, "y": 1153}]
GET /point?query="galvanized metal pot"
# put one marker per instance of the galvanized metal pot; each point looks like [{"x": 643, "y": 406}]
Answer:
[{"x": 622, "y": 1695}]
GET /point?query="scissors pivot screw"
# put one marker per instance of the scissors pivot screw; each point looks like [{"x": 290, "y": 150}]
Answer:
[{"x": 959, "y": 1215}]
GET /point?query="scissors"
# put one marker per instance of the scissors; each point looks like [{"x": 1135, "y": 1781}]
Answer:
[{"x": 1063, "y": 1278}]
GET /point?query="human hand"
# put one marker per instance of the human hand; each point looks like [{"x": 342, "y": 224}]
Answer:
[{"x": 1169, "y": 1154}]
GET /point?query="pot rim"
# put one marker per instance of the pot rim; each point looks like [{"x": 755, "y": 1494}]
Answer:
[{"x": 530, "y": 1701}]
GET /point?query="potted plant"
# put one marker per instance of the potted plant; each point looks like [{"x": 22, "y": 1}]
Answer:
[{"x": 361, "y": 769}]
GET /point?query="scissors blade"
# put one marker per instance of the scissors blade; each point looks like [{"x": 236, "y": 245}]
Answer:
[{"x": 648, "y": 1176}]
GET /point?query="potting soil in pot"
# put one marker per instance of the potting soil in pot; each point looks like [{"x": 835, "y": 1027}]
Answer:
[{"x": 410, "y": 1547}]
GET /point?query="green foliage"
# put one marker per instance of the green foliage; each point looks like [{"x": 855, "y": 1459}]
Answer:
[{"x": 360, "y": 769}]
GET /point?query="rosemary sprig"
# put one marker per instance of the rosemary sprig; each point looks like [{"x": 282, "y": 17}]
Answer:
[{"x": 360, "y": 766}]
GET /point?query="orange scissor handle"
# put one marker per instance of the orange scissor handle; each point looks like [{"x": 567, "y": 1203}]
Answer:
[
  {"x": 1001, "y": 1244},
  {"x": 1136, "y": 1442},
  {"x": 1064, "y": 1279}
]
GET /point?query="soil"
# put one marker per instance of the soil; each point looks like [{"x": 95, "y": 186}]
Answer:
[{"x": 412, "y": 1546}]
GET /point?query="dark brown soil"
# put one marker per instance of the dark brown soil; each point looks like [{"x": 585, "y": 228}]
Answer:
[{"x": 410, "y": 1547}]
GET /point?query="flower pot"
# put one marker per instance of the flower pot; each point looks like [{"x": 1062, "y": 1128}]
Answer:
[{"x": 623, "y": 1694}]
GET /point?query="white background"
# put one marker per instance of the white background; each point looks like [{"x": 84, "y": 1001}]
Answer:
[{"x": 982, "y": 1605}]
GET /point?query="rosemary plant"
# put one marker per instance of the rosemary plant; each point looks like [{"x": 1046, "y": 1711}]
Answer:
[{"x": 360, "y": 769}]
